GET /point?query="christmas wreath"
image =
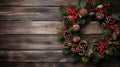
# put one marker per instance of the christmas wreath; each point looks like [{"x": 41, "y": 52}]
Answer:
[{"x": 73, "y": 17}]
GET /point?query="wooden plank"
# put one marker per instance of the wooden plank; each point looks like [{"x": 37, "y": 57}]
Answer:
[
  {"x": 38, "y": 56},
  {"x": 41, "y": 27},
  {"x": 28, "y": 27},
  {"x": 34, "y": 42},
  {"x": 29, "y": 42},
  {"x": 21, "y": 13},
  {"x": 58, "y": 65},
  {"x": 33, "y": 13},
  {"x": 36, "y": 2},
  {"x": 43, "y": 2},
  {"x": 33, "y": 56}
]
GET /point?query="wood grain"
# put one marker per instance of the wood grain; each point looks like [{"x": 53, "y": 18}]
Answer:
[
  {"x": 30, "y": 42},
  {"x": 35, "y": 42},
  {"x": 36, "y": 2},
  {"x": 28, "y": 13},
  {"x": 43, "y": 2},
  {"x": 41, "y": 27},
  {"x": 58, "y": 65},
  {"x": 33, "y": 13},
  {"x": 38, "y": 56},
  {"x": 33, "y": 56}
]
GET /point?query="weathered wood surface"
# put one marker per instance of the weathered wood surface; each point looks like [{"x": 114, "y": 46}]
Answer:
[
  {"x": 36, "y": 2},
  {"x": 38, "y": 56},
  {"x": 32, "y": 13},
  {"x": 43, "y": 2},
  {"x": 28, "y": 35},
  {"x": 57, "y": 65},
  {"x": 34, "y": 42},
  {"x": 42, "y": 27}
]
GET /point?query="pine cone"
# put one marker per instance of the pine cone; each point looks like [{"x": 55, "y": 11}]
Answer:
[
  {"x": 116, "y": 44},
  {"x": 67, "y": 23},
  {"x": 109, "y": 20},
  {"x": 92, "y": 13},
  {"x": 68, "y": 44},
  {"x": 117, "y": 30},
  {"x": 76, "y": 27},
  {"x": 89, "y": 54},
  {"x": 90, "y": 7},
  {"x": 83, "y": 12},
  {"x": 75, "y": 48},
  {"x": 114, "y": 36},
  {"x": 81, "y": 52},
  {"x": 104, "y": 24},
  {"x": 96, "y": 47},
  {"x": 109, "y": 42},
  {"x": 99, "y": 15},
  {"x": 83, "y": 44},
  {"x": 68, "y": 35},
  {"x": 76, "y": 39}
]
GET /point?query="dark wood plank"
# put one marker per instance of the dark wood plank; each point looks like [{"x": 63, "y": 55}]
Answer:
[
  {"x": 28, "y": 27},
  {"x": 36, "y": 2},
  {"x": 33, "y": 13},
  {"x": 43, "y": 2},
  {"x": 34, "y": 42},
  {"x": 58, "y": 65},
  {"x": 30, "y": 13},
  {"x": 42, "y": 27},
  {"x": 38, "y": 56},
  {"x": 33, "y": 56},
  {"x": 29, "y": 42}
]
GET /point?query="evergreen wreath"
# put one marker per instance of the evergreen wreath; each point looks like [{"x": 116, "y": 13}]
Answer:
[{"x": 73, "y": 17}]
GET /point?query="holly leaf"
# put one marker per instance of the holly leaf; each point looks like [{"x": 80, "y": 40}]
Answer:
[{"x": 85, "y": 59}]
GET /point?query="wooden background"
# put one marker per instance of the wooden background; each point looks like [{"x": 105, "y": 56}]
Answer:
[{"x": 28, "y": 36}]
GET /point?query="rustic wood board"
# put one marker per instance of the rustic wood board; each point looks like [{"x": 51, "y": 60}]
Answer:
[
  {"x": 34, "y": 42},
  {"x": 28, "y": 35},
  {"x": 57, "y": 65},
  {"x": 38, "y": 56},
  {"x": 42, "y": 27}
]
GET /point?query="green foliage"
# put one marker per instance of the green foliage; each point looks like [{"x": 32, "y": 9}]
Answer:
[
  {"x": 105, "y": 1},
  {"x": 107, "y": 32},
  {"x": 101, "y": 38},
  {"x": 76, "y": 58},
  {"x": 82, "y": 21},
  {"x": 61, "y": 37},
  {"x": 66, "y": 51},
  {"x": 85, "y": 59},
  {"x": 97, "y": 58},
  {"x": 116, "y": 51},
  {"x": 109, "y": 52},
  {"x": 116, "y": 16},
  {"x": 82, "y": 3},
  {"x": 71, "y": 29},
  {"x": 63, "y": 12}
]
